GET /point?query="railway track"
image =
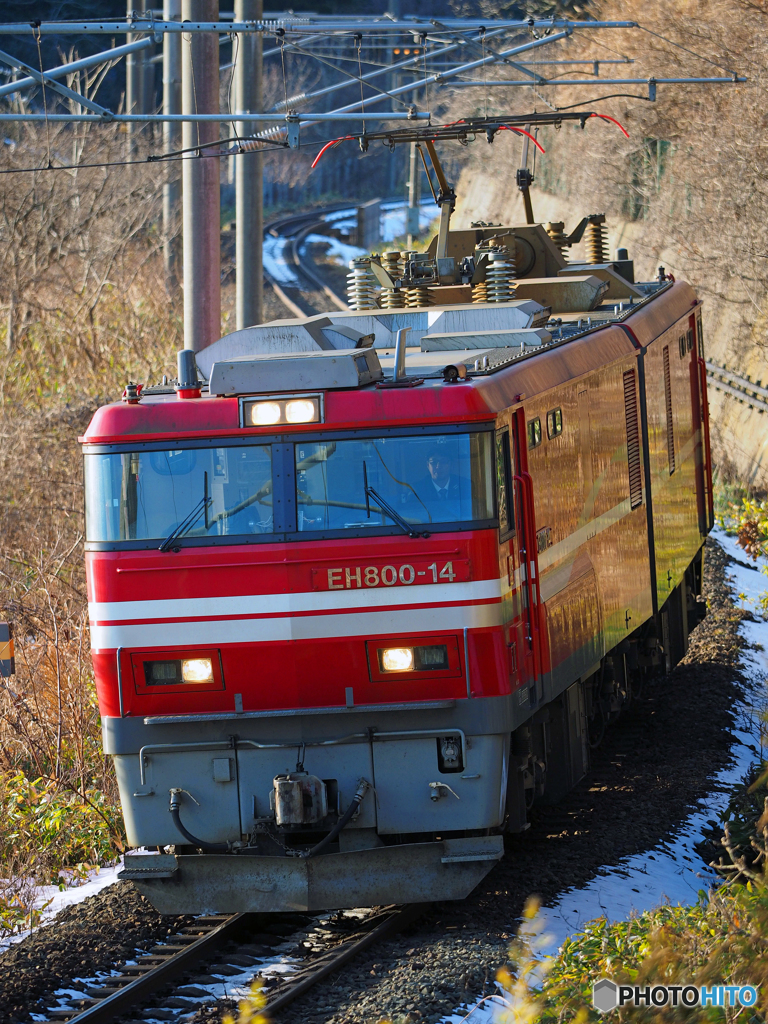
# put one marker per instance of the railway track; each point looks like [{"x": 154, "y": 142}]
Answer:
[
  {"x": 293, "y": 230},
  {"x": 739, "y": 387},
  {"x": 167, "y": 982}
]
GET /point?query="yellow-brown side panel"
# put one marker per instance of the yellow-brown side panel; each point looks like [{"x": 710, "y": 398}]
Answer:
[
  {"x": 594, "y": 551},
  {"x": 672, "y": 444}
]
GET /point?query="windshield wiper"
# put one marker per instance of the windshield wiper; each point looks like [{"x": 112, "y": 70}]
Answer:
[
  {"x": 387, "y": 508},
  {"x": 189, "y": 521}
]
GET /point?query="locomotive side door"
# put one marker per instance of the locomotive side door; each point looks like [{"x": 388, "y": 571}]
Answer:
[
  {"x": 508, "y": 555},
  {"x": 529, "y": 560},
  {"x": 517, "y": 558}
]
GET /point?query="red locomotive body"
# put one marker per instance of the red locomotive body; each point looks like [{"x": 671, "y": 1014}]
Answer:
[{"x": 456, "y": 658}]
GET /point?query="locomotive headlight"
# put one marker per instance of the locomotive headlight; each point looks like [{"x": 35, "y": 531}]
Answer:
[
  {"x": 396, "y": 659},
  {"x": 197, "y": 670},
  {"x": 265, "y": 413},
  {"x": 301, "y": 410}
]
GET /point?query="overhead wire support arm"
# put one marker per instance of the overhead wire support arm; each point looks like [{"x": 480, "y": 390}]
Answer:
[
  {"x": 475, "y": 44},
  {"x": 288, "y": 26},
  {"x": 411, "y": 62},
  {"x": 76, "y": 65},
  {"x": 382, "y": 115},
  {"x": 54, "y": 86}
]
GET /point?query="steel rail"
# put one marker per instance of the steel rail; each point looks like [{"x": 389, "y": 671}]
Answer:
[
  {"x": 296, "y": 985},
  {"x": 304, "y": 268},
  {"x": 753, "y": 395},
  {"x": 113, "y": 1006}
]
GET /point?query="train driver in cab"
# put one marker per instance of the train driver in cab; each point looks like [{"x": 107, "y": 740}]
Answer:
[{"x": 442, "y": 490}]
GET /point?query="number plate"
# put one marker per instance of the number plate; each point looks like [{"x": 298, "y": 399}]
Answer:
[{"x": 391, "y": 574}]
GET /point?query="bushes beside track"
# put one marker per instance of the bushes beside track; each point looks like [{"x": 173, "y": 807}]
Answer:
[{"x": 722, "y": 939}]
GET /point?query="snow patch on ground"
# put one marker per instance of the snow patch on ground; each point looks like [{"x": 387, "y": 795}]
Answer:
[
  {"x": 336, "y": 251},
  {"x": 279, "y": 269},
  {"x": 97, "y": 880},
  {"x": 195, "y": 994},
  {"x": 276, "y": 266}
]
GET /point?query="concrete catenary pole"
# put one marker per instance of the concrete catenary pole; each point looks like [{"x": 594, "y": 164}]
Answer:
[
  {"x": 135, "y": 75},
  {"x": 171, "y": 142},
  {"x": 200, "y": 180},
  {"x": 249, "y": 179}
]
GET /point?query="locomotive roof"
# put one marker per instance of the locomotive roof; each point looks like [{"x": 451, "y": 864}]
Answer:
[{"x": 507, "y": 360}]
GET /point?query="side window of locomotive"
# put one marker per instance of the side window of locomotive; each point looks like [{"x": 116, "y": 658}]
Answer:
[
  {"x": 386, "y": 482},
  {"x": 554, "y": 423},
  {"x": 208, "y": 492},
  {"x": 504, "y": 499},
  {"x": 534, "y": 433}
]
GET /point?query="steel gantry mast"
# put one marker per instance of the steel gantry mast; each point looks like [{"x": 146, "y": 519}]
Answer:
[{"x": 191, "y": 33}]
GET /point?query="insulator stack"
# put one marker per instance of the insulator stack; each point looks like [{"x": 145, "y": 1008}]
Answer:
[
  {"x": 480, "y": 290},
  {"x": 393, "y": 298},
  {"x": 361, "y": 284},
  {"x": 595, "y": 239},
  {"x": 417, "y": 297},
  {"x": 556, "y": 231},
  {"x": 500, "y": 275},
  {"x": 418, "y": 294}
]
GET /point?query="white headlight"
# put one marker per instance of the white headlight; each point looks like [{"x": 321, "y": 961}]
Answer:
[
  {"x": 197, "y": 670},
  {"x": 301, "y": 410},
  {"x": 264, "y": 413},
  {"x": 397, "y": 659}
]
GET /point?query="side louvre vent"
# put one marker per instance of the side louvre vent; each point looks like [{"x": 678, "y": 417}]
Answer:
[
  {"x": 633, "y": 440},
  {"x": 668, "y": 406}
]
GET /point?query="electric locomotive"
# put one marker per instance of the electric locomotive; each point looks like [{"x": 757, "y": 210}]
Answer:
[{"x": 363, "y": 586}]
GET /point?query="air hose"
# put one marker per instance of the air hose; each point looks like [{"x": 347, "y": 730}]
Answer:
[
  {"x": 362, "y": 789},
  {"x": 200, "y": 844}
]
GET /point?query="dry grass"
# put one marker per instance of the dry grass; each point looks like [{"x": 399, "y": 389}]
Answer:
[{"x": 81, "y": 284}]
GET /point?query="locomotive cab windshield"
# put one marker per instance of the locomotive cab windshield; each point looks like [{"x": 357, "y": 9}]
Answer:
[{"x": 204, "y": 494}]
